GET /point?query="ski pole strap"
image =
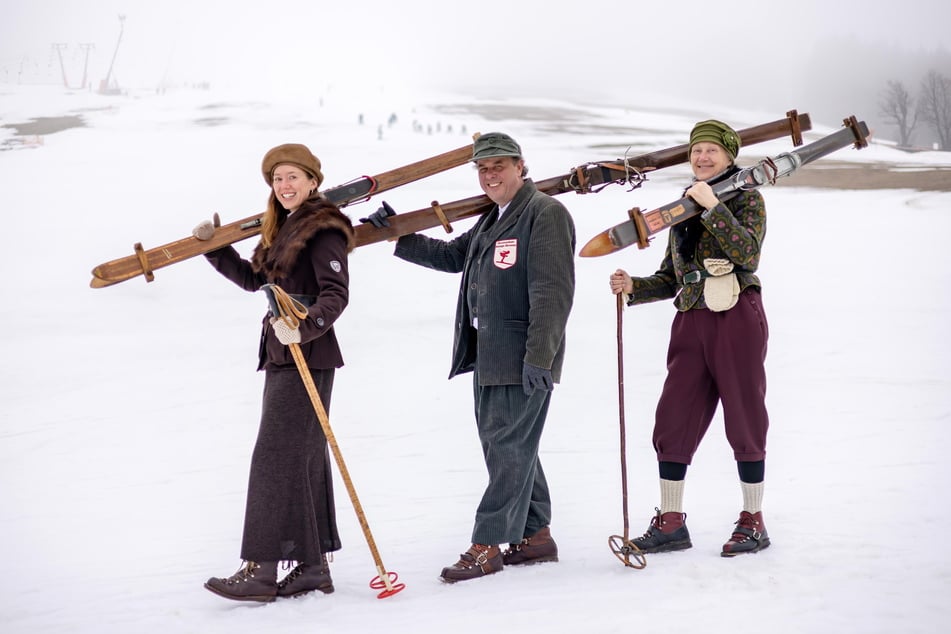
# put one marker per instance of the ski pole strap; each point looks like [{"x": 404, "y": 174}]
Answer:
[{"x": 286, "y": 306}]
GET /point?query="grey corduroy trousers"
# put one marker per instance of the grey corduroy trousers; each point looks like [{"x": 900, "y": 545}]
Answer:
[{"x": 516, "y": 503}]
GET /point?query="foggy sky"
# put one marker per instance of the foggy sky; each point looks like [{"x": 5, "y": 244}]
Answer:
[{"x": 723, "y": 52}]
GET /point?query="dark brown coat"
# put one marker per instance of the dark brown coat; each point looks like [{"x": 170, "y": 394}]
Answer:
[{"x": 308, "y": 257}]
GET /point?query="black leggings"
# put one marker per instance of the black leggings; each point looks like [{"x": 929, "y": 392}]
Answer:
[{"x": 750, "y": 472}]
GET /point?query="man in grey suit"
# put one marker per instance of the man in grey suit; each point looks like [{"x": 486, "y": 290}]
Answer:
[{"x": 518, "y": 280}]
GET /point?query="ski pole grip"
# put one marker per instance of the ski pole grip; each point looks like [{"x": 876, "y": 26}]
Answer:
[{"x": 271, "y": 300}]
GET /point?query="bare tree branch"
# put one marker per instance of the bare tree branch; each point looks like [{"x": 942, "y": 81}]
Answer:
[
  {"x": 934, "y": 106},
  {"x": 897, "y": 107}
]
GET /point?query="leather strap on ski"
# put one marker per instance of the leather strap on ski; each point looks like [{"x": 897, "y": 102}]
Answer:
[
  {"x": 795, "y": 129},
  {"x": 443, "y": 220},
  {"x": 143, "y": 261},
  {"x": 861, "y": 139},
  {"x": 640, "y": 225}
]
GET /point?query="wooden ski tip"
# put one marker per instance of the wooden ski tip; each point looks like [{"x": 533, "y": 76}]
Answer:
[
  {"x": 598, "y": 245},
  {"x": 98, "y": 282}
]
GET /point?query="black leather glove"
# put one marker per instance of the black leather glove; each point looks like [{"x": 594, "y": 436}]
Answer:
[
  {"x": 536, "y": 378},
  {"x": 379, "y": 217}
]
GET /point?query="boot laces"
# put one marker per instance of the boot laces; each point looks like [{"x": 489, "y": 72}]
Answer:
[
  {"x": 654, "y": 525},
  {"x": 244, "y": 573},
  {"x": 748, "y": 522},
  {"x": 300, "y": 568},
  {"x": 293, "y": 574}
]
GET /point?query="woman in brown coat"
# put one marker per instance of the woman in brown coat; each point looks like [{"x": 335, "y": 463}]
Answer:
[{"x": 290, "y": 515}]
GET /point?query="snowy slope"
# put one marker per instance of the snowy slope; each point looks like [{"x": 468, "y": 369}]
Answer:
[{"x": 128, "y": 413}]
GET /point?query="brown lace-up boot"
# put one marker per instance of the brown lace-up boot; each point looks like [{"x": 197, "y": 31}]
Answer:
[
  {"x": 480, "y": 560},
  {"x": 252, "y": 582},
  {"x": 749, "y": 536},
  {"x": 306, "y": 578},
  {"x": 667, "y": 531},
  {"x": 536, "y": 549}
]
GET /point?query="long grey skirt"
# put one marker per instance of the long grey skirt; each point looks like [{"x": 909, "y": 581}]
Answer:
[{"x": 290, "y": 512}]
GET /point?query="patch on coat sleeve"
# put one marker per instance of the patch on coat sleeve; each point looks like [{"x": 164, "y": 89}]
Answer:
[
  {"x": 335, "y": 265},
  {"x": 506, "y": 253}
]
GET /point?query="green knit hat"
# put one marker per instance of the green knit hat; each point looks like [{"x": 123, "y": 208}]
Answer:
[{"x": 716, "y": 132}]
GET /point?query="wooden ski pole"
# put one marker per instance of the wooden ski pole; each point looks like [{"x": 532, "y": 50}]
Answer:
[
  {"x": 283, "y": 306},
  {"x": 622, "y": 547}
]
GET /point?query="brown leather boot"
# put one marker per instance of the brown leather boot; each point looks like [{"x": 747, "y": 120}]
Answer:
[
  {"x": 252, "y": 582},
  {"x": 306, "y": 578},
  {"x": 480, "y": 560},
  {"x": 667, "y": 532},
  {"x": 536, "y": 549},
  {"x": 749, "y": 536}
]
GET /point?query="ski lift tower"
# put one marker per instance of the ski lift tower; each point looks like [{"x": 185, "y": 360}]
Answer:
[
  {"x": 109, "y": 86},
  {"x": 58, "y": 47},
  {"x": 86, "y": 48}
]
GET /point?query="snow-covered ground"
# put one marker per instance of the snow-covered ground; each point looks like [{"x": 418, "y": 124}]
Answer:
[{"x": 128, "y": 414}]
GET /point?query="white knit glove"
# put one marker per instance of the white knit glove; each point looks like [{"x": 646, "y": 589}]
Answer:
[
  {"x": 204, "y": 231},
  {"x": 284, "y": 333}
]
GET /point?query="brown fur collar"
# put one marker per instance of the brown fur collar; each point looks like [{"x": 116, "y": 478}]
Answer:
[{"x": 315, "y": 215}]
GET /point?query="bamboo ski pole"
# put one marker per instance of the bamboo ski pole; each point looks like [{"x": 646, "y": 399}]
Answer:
[
  {"x": 621, "y": 545},
  {"x": 283, "y": 306}
]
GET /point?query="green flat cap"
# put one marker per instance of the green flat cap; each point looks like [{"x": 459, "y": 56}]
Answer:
[{"x": 495, "y": 144}]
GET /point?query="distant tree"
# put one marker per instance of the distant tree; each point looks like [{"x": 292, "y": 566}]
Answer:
[
  {"x": 934, "y": 106},
  {"x": 897, "y": 108}
]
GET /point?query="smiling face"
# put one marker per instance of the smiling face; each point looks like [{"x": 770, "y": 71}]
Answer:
[
  {"x": 708, "y": 159},
  {"x": 292, "y": 186},
  {"x": 500, "y": 178}
]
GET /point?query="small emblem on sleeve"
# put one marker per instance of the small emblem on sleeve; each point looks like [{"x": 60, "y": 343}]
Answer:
[{"x": 335, "y": 265}]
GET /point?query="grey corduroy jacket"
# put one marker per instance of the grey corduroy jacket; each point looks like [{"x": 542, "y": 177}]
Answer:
[{"x": 518, "y": 274}]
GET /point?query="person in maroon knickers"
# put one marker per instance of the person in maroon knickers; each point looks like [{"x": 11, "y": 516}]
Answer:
[{"x": 717, "y": 347}]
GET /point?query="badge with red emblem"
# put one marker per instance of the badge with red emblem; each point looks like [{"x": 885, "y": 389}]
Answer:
[{"x": 506, "y": 253}]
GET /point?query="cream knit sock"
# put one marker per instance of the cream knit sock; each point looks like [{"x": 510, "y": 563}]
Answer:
[
  {"x": 671, "y": 496},
  {"x": 752, "y": 497}
]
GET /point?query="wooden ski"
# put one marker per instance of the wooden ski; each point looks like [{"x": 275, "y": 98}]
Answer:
[
  {"x": 640, "y": 226},
  {"x": 146, "y": 261},
  {"x": 589, "y": 178}
]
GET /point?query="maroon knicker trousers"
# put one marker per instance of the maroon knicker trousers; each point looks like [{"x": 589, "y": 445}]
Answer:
[{"x": 715, "y": 357}]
